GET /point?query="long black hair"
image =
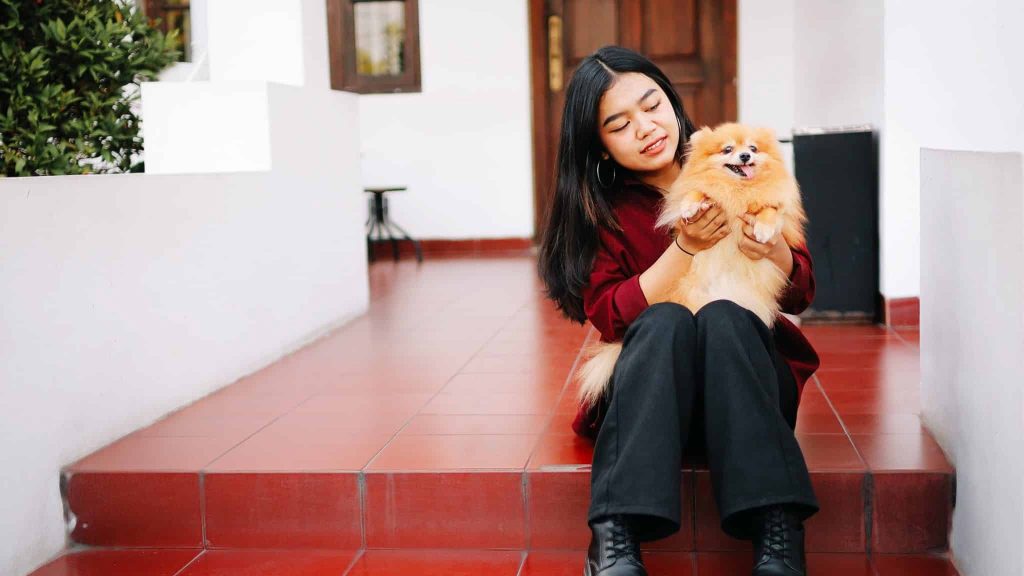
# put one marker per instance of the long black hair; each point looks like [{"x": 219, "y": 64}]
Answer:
[{"x": 580, "y": 204}]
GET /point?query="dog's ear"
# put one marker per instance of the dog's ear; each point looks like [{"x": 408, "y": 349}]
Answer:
[
  {"x": 696, "y": 136},
  {"x": 766, "y": 136}
]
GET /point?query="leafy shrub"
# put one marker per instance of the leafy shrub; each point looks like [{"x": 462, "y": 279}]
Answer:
[{"x": 69, "y": 73}]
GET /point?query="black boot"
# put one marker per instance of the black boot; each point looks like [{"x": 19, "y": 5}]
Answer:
[
  {"x": 778, "y": 543},
  {"x": 613, "y": 550}
]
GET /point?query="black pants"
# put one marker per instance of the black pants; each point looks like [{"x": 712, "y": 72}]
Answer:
[{"x": 719, "y": 371}]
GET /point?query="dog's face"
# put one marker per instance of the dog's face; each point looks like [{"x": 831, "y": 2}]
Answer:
[{"x": 735, "y": 150}]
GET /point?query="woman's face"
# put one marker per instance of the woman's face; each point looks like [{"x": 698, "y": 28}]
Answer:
[{"x": 637, "y": 124}]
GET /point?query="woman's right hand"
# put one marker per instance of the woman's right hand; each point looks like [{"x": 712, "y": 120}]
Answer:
[{"x": 703, "y": 230}]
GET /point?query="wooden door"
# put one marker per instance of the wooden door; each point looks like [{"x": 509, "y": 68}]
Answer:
[{"x": 692, "y": 41}]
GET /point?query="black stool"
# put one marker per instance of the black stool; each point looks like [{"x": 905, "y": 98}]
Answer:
[{"x": 380, "y": 222}]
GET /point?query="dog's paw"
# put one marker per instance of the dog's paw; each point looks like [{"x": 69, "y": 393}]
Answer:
[
  {"x": 688, "y": 208},
  {"x": 763, "y": 231}
]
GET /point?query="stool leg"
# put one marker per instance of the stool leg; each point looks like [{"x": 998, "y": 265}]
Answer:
[
  {"x": 372, "y": 225},
  {"x": 384, "y": 219},
  {"x": 405, "y": 235}
]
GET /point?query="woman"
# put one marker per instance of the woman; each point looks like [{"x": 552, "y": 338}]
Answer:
[{"x": 717, "y": 382}]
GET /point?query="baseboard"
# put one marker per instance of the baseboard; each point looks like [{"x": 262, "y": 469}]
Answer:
[
  {"x": 903, "y": 312},
  {"x": 456, "y": 247}
]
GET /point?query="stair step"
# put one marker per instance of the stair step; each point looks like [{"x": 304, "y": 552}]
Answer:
[
  {"x": 393, "y": 434},
  {"x": 455, "y": 563},
  {"x": 533, "y": 509}
]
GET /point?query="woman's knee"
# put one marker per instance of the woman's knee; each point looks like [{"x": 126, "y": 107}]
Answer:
[
  {"x": 723, "y": 314},
  {"x": 665, "y": 317}
]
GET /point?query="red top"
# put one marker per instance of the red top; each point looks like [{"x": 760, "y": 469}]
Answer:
[{"x": 613, "y": 299}]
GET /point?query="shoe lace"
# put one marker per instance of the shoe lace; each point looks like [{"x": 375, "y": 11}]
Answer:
[
  {"x": 776, "y": 537},
  {"x": 622, "y": 543}
]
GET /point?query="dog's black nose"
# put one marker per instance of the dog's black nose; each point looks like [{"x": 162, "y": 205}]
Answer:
[{"x": 745, "y": 157}]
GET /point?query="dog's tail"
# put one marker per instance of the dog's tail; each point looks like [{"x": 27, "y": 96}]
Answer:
[{"x": 596, "y": 373}]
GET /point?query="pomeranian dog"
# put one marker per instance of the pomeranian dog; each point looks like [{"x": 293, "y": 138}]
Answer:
[{"x": 740, "y": 169}]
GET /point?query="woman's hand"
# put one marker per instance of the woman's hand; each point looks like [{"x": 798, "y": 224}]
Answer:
[
  {"x": 704, "y": 229},
  {"x": 775, "y": 248}
]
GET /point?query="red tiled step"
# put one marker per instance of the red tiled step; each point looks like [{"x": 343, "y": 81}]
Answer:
[
  {"x": 441, "y": 420},
  {"x": 454, "y": 563}
]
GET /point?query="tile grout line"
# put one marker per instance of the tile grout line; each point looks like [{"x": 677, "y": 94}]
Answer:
[
  {"x": 835, "y": 412},
  {"x": 524, "y": 495},
  {"x": 529, "y": 459},
  {"x": 361, "y": 487},
  {"x": 565, "y": 388},
  {"x": 868, "y": 485},
  {"x": 204, "y": 468},
  {"x": 355, "y": 560},
  {"x": 902, "y": 339},
  {"x": 869, "y": 510},
  {"x": 522, "y": 561},
  {"x": 190, "y": 563},
  {"x": 429, "y": 400},
  {"x": 202, "y": 510},
  {"x": 362, "y": 473}
]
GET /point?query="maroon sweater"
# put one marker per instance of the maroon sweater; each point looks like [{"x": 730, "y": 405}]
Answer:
[{"x": 613, "y": 298}]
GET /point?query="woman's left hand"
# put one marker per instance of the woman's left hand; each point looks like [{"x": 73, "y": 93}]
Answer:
[
  {"x": 749, "y": 244},
  {"x": 775, "y": 248}
]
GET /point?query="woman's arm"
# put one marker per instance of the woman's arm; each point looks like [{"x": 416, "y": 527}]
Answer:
[
  {"x": 705, "y": 229},
  {"x": 795, "y": 262}
]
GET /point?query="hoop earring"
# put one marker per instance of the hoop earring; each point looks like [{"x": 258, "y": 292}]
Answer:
[{"x": 601, "y": 182}]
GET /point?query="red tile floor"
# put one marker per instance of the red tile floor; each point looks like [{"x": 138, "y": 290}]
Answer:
[{"x": 431, "y": 436}]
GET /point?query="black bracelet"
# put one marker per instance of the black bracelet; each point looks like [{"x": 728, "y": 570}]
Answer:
[{"x": 681, "y": 248}]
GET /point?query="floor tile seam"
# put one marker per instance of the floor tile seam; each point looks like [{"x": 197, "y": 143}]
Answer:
[
  {"x": 561, "y": 395},
  {"x": 902, "y": 339},
  {"x": 948, "y": 469},
  {"x": 522, "y": 562},
  {"x": 868, "y": 491},
  {"x": 77, "y": 547},
  {"x": 835, "y": 413},
  {"x": 202, "y": 510},
  {"x": 205, "y": 467},
  {"x": 448, "y": 381},
  {"x": 361, "y": 493},
  {"x": 438, "y": 471},
  {"x": 355, "y": 560},
  {"x": 190, "y": 563}
]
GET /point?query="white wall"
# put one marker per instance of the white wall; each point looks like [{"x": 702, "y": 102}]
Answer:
[
  {"x": 972, "y": 336},
  {"x": 463, "y": 145},
  {"x": 838, "y": 63},
  {"x": 764, "y": 67},
  {"x": 765, "y": 64},
  {"x": 954, "y": 80},
  {"x": 255, "y": 40},
  {"x": 199, "y": 127},
  {"x": 125, "y": 297}
]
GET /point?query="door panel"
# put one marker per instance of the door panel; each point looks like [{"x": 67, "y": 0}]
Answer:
[
  {"x": 692, "y": 41},
  {"x": 670, "y": 28}
]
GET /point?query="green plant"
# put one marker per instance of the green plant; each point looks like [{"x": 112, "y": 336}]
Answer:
[{"x": 69, "y": 74}]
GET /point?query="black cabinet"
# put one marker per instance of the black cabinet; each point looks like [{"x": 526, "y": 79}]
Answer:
[{"x": 838, "y": 174}]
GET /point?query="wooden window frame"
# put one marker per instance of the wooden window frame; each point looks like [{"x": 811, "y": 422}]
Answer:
[
  {"x": 342, "y": 48},
  {"x": 157, "y": 10}
]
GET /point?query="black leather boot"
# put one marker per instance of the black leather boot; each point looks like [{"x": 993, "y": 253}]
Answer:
[
  {"x": 778, "y": 543},
  {"x": 613, "y": 550}
]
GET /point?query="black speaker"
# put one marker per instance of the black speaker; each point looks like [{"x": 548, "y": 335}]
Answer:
[{"x": 837, "y": 170}]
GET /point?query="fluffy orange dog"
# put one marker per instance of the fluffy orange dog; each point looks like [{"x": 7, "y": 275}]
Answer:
[{"x": 740, "y": 169}]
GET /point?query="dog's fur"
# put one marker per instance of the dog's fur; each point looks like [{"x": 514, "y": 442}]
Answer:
[{"x": 769, "y": 192}]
